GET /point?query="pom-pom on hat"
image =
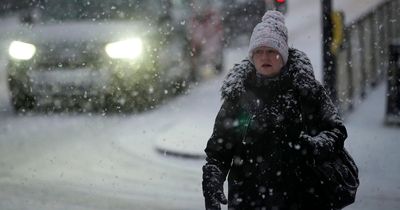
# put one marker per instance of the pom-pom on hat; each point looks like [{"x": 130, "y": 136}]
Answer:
[{"x": 271, "y": 32}]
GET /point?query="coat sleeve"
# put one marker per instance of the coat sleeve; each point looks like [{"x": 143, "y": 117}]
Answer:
[
  {"x": 221, "y": 145},
  {"x": 324, "y": 130}
]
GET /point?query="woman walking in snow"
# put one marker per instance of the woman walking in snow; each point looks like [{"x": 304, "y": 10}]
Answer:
[{"x": 274, "y": 115}]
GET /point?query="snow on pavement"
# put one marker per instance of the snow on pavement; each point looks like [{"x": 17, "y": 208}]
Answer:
[{"x": 375, "y": 148}]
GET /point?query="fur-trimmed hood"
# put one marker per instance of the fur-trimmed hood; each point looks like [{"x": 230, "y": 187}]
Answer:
[{"x": 298, "y": 66}]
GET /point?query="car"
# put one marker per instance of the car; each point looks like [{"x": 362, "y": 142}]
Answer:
[{"x": 117, "y": 55}]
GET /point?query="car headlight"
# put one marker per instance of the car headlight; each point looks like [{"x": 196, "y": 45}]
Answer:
[
  {"x": 21, "y": 50},
  {"x": 127, "y": 49}
]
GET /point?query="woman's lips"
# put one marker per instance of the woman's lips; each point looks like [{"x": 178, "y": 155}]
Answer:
[{"x": 266, "y": 65}]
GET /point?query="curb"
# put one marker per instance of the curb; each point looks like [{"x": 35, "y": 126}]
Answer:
[{"x": 177, "y": 154}]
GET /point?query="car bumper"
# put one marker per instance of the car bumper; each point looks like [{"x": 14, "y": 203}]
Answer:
[
  {"x": 69, "y": 82},
  {"x": 81, "y": 84}
]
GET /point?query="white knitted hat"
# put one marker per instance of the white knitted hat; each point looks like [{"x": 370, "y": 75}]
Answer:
[{"x": 271, "y": 32}]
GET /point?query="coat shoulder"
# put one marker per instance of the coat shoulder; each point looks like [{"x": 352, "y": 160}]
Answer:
[
  {"x": 234, "y": 83},
  {"x": 302, "y": 73}
]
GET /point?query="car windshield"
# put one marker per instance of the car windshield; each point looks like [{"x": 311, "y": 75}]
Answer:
[{"x": 61, "y": 10}]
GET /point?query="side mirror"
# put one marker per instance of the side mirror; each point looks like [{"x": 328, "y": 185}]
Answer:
[
  {"x": 164, "y": 18},
  {"x": 29, "y": 16}
]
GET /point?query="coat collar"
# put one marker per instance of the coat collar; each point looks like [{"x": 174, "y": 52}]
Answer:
[{"x": 298, "y": 67}]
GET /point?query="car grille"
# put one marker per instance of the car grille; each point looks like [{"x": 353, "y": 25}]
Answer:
[{"x": 69, "y": 56}]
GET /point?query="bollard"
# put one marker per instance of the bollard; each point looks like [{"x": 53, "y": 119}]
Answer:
[{"x": 393, "y": 89}]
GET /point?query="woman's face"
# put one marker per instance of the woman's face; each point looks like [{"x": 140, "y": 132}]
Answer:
[{"x": 267, "y": 61}]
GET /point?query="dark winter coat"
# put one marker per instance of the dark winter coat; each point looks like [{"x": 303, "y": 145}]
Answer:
[{"x": 266, "y": 128}]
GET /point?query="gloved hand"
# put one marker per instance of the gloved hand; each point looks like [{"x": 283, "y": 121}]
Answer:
[
  {"x": 213, "y": 187},
  {"x": 320, "y": 146}
]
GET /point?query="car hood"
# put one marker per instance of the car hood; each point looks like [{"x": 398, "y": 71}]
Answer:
[{"x": 84, "y": 31}]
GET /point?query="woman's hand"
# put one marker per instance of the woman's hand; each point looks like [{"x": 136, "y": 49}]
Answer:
[{"x": 213, "y": 190}]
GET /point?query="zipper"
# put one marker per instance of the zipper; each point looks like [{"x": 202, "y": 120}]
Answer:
[{"x": 248, "y": 122}]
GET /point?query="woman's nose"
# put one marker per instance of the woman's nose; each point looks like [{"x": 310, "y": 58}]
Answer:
[{"x": 265, "y": 55}]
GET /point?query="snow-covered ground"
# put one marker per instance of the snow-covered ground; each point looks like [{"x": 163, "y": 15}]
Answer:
[
  {"x": 87, "y": 161},
  {"x": 374, "y": 147}
]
